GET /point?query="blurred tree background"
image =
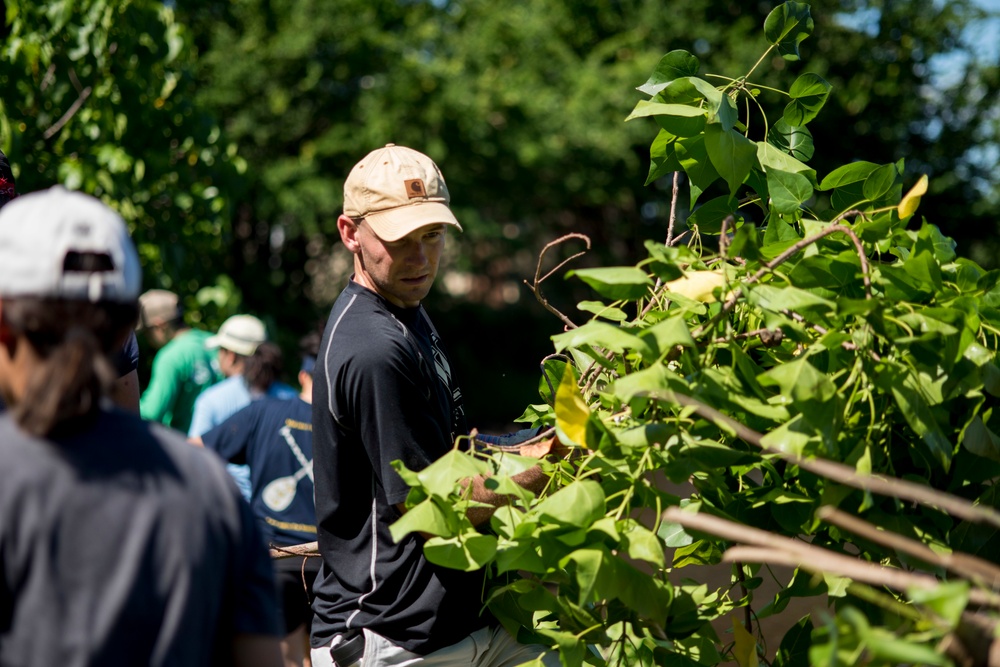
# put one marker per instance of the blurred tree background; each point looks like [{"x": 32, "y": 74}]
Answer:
[{"x": 223, "y": 131}]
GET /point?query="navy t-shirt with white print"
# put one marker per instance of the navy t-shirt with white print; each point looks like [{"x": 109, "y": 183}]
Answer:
[{"x": 274, "y": 438}]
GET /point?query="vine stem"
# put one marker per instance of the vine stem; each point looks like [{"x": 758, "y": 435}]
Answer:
[{"x": 674, "y": 193}]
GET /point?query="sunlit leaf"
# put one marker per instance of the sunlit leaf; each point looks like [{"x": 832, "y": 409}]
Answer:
[
  {"x": 911, "y": 200},
  {"x": 744, "y": 645},
  {"x": 809, "y": 93},
  {"x": 572, "y": 412},
  {"x": 673, "y": 65},
  {"x": 786, "y": 26}
]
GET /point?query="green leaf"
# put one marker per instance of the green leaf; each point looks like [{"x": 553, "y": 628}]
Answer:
[
  {"x": 911, "y": 397},
  {"x": 662, "y": 156},
  {"x": 578, "y": 504},
  {"x": 693, "y": 156},
  {"x": 947, "y": 600},
  {"x": 427, "y": 517},
  {"x": 786, "y": 26},
  {"x": 794, "y": 648},
  {"x": 773, "y": 158},
  {"x": 674, "y": 65},
  {"x": 601, "y": 309},
  {"x": 441, "y": 477},
  {"x": 732, "y": 155},
  {"x": 641, "y": 543},
  {"x": 466, "y": 552},
  {"x": 800, "y": 381},
  {"x": 645, "y": 108},
  {"x": 788, "y": 190},
  {"x": 809, "y": 93},
  {"x": 615, "y": 282},
  {"x": 981, "y": 440},
  {"x": 908, "y": 205},
  {"x": 847, "y": 174},
  {"x": 794, "y": 141},
  {"x": 778, "y": 299},
  {"x": 601, "y": 334},
  {"x": 664, "y": 336},
  {"x": 709, "y": 216},
  {"x": 879, "y": 182}
]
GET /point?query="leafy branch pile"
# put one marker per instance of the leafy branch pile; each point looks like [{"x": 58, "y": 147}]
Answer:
[{"x": 802, "y": 384}]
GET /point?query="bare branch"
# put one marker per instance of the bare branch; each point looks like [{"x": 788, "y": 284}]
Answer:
[
  {"x": 964, "y": 565},
  {"x": 539, "y": 279},
  {"x": 309, "y": 549},
  {"x": 673, "y": 209},
  {"x": 52, "y": 131},
  {"x": 838, "y": 472}
]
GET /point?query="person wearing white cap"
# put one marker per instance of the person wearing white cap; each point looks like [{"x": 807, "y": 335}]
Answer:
[
  {"x": 252, "y": 366},
  {"x": 120, "y": 543},
  {"x": 383, "y": 390}
]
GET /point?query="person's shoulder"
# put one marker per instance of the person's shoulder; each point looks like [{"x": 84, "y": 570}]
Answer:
[{"x": 219, "y": 390}]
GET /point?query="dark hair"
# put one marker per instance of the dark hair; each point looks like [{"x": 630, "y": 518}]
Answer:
[
  {"x": 73, "y": 340},
  {"x": 262, "y": 368},
  {"x": 8, "y": 188},
  {"x": 309, "y": 344}
]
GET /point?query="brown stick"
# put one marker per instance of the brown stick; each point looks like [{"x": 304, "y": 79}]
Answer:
[
  {"x": 539, "y": 279},
  {"x": 309, "y": 549},
  {"x": 58, "y": 125},
  {"x": 838, "y": 472},
  {"x": 959, "y": 563}
]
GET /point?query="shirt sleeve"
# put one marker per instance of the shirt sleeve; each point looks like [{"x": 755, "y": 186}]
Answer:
[
  {"x": 127, "y": 358},
  {"x": 157, "y": 402},
  {"x": 201, "y": 420},
  {"x": 231, "y": 438}
]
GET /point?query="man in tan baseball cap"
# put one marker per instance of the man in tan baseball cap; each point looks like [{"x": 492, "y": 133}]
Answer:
[{"x": 383, "y": 391}]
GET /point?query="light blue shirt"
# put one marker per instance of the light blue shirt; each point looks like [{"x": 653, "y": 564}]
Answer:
[{"x": 221, "y": 401}]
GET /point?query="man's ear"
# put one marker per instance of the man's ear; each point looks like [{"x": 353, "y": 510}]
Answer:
[{"x": 349, "y": 233}]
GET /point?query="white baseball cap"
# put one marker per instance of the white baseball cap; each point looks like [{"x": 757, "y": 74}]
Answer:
[
  {"x": 397, "y": 190},
  {"x": 44, "y": 234},
  {"x": 241, "y": 334}
]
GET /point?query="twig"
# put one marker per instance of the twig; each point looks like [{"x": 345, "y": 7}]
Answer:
[
  {"x": 539, "y": 279},
  {"x": 768, "y": 547},
  {"x": 723, "y": 238},
  {"x": 673, "y": 209},
  {"x": 838, "y": 472},
  {"x": 52, "y": 131},
  {"x": 959, "y": 563},
  {"x": 309, "y": 550}
]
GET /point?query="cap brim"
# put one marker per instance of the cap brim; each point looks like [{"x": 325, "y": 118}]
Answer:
[
  {"x": 394, "y": 224},
  {"x": 212, "y": 342}
]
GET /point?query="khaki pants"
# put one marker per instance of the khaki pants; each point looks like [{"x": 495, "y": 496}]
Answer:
[{"x": 486, "y": 647}]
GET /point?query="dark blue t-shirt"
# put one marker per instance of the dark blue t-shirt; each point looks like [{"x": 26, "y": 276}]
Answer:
[{"x": 274, "y": 438}]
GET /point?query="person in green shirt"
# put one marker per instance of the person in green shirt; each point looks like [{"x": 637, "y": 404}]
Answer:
[{"x": 182, "y": 368}]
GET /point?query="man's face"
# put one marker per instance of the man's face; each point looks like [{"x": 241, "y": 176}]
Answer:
[{"x": 401, "y": 271}]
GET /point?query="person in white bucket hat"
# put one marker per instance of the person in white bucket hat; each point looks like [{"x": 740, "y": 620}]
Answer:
[
  {"x": 252, "y": 366},
  {"x": 121, "y": 543}
]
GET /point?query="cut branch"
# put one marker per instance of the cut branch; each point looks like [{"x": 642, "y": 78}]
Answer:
[
  {"x": 838, "y": 472},
  {"x": 309, "y": 550},
  {"x": 539, "y": 279}
]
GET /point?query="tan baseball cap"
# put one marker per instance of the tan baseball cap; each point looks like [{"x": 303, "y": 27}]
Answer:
[
  {"x": 397, "y": 190},
  {"x": 157, "y": 306}
]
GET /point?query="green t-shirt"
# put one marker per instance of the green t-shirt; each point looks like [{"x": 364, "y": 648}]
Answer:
[{"x": 181, "y": 370}]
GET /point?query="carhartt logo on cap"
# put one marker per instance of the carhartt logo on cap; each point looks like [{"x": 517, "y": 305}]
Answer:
[{"x": 415, "y": 188}]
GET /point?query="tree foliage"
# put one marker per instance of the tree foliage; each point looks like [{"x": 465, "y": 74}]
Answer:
[{"x": 815, "y": 392}]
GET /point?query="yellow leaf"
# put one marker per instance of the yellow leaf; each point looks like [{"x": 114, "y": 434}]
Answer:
[
  {"x": 745, "y": 648},
  {"x": 697, "y": 285},
  {"x": 910, "y": 202},
  {"x": 572, "y": 412}
]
